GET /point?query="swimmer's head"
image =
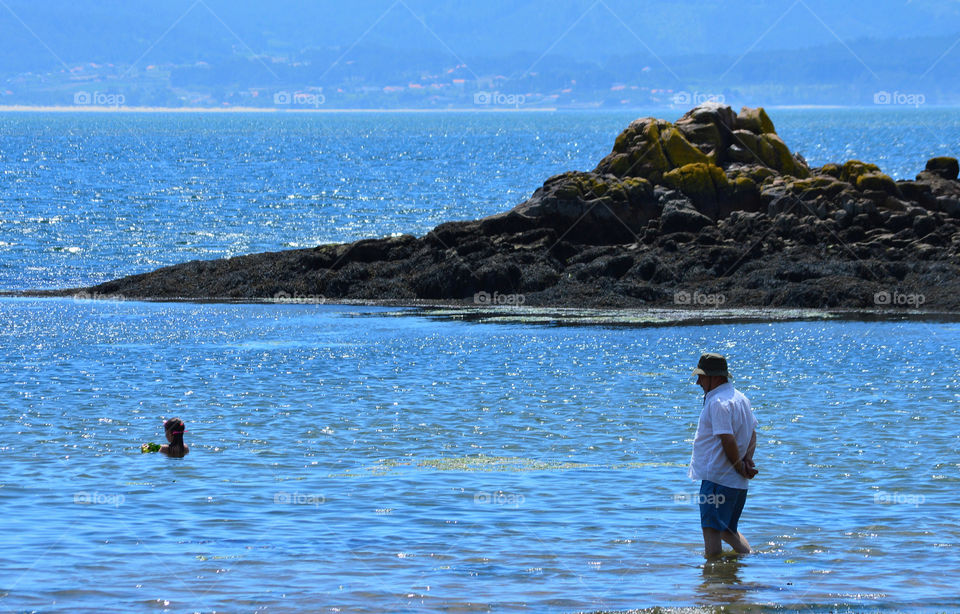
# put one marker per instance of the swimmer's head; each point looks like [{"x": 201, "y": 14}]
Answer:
[{"x": 174, "y": 428}]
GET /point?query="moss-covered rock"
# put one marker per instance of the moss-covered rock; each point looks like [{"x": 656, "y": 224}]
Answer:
[
  {"x": 945, "y": 166},
  {"x": 743, "y": 184},
  {"x": 916, "y": 191},
  {"x": 854, "y": 168},
  {"x": 834, "y": 170},
  {"x": 715, "y": 113},
  {"x": 820, "y": 186},
  {"x": 812, "y": 182},
  {"x": 580, "y": 187},
  {"x": 619, "y": 164},
  {"x": 878, "y": 182},
  {"x": 708, "y": 134},
  {"x": 706, "y": 137},
  {"x": 745, "y": 196},
  {"x": 638, "y": 187},
  {"x": 755, "y": 120},
  {"x": 592, "y": 208},
  {"x": 637, "y": 152},
  {"x": 703, "y": 183},
  {"x": 770, "y": 150},
  {"x": 679, "y": 151},
  {"x": 757, "y": 172},
  {"x": 591, "y": 185},
  {"x": 745, "y": 147},
  {"x": 648, "y": 159},
  {"x": 782, "y": 159}
]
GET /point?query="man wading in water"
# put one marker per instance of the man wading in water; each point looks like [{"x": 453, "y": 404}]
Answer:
[{"x": 722, "y": 456}]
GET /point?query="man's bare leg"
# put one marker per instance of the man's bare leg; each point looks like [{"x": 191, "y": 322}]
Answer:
[
  {"x": 737, "y": 541},
  {"x": 712, "y": 545}
]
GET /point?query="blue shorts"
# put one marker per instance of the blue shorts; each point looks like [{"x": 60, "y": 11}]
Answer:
[{"x": 720, "y": 506}]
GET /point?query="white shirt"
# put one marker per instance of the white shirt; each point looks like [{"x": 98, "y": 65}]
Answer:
[{"x": 725, "y": 410}]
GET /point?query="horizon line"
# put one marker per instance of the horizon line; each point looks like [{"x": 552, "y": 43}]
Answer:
[
  {"x": 161, "y": 109},
  {"x": 156, "y": 109}
]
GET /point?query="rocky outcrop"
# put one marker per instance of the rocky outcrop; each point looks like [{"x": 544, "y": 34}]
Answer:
[{"x": 713, "y": 205}]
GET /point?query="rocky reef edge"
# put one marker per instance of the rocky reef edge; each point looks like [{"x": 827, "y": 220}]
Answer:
[{"x": 711, "y": 210}]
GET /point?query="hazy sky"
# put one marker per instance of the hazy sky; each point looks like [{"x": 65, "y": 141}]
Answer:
[
  {"x": 125, "y": 31},
  {"x": 216, "y": 47}
]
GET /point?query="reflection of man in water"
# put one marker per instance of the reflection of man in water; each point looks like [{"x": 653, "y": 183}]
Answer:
[
  {"x": 722, "y": 455},
  {"x": 721, "y": 583}
]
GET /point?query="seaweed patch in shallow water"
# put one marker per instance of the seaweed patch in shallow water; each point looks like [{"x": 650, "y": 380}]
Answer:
[{"x": 503, "y": 464}]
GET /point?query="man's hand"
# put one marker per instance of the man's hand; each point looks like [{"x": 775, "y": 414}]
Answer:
[
  {"x": 741, "y": 464},
  {"x": 747, "y": 468}
]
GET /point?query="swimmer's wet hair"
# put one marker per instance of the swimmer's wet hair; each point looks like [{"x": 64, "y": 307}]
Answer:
[{"x": 175, "y": 427}]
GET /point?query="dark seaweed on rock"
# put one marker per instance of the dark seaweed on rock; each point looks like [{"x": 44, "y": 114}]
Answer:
[{"x": 711, "y": 209}]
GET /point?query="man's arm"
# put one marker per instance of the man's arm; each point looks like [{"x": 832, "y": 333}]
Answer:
[
  {"x": 729, "y": 443},
  {"x": 750, "y": 468},
  {"x": 732, "y": 452},
  {"x": 751, "y": 447}
]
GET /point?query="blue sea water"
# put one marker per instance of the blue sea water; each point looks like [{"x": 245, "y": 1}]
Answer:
[
  {"x": 374, "y": 459},
  {"x": 85, "y": 198}
]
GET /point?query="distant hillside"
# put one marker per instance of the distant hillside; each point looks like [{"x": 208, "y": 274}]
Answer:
[{"x": 568, "y": 53}]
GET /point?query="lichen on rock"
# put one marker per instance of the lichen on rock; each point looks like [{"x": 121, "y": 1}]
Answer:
[{"x": 755, "y": 120}]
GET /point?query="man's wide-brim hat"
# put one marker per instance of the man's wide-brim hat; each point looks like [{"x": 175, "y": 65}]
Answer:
[{"x": 712, "y": 364}]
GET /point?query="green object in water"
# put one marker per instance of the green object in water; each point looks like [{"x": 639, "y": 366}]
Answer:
[{"x": 150, "y": 447}]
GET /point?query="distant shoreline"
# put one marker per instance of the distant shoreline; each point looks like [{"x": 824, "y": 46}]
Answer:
[
  {"x": 128, "y": 109},
  {"x": 476, "y": 109}
]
